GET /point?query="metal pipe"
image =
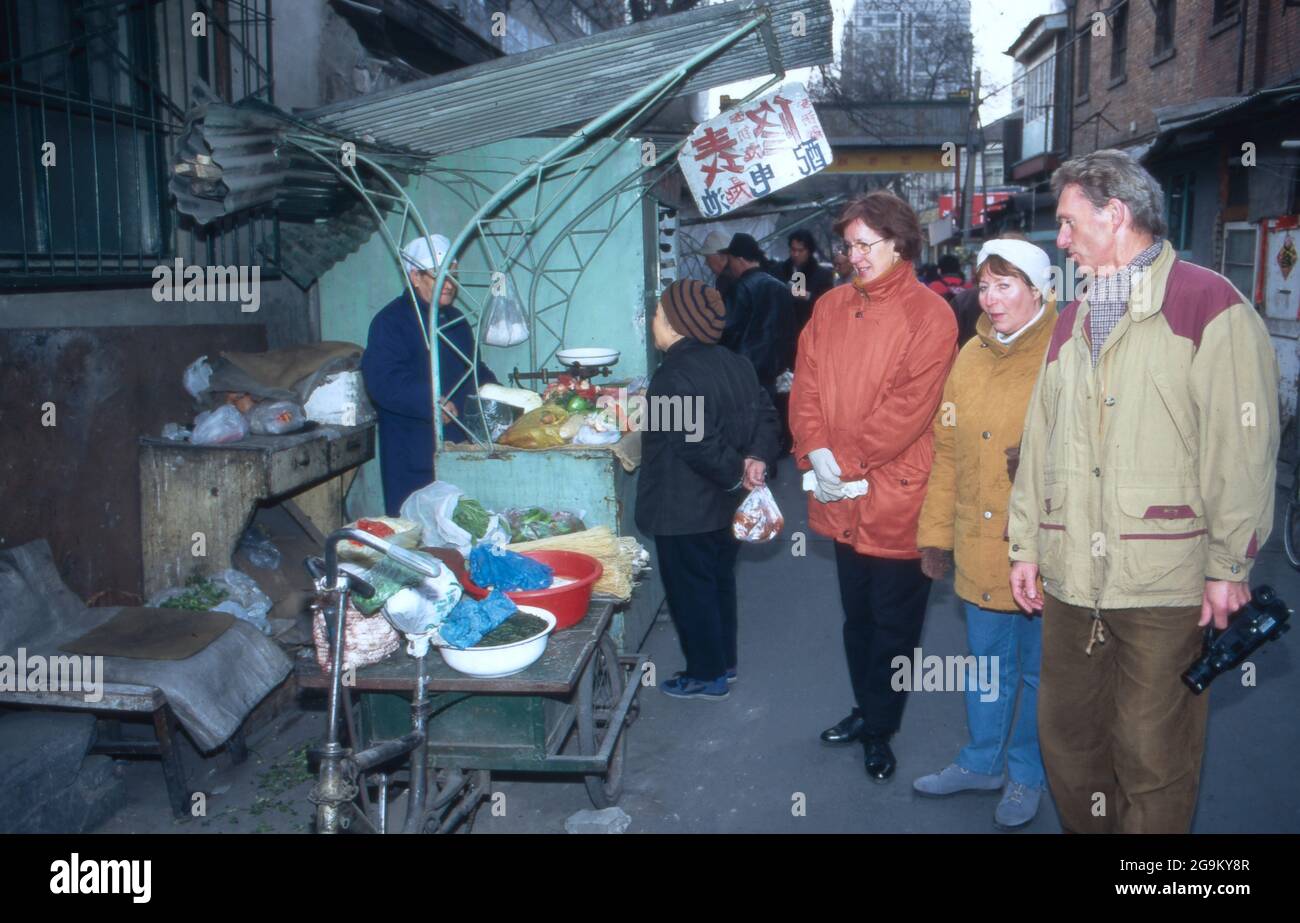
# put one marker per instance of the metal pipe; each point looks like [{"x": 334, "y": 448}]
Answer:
[
  {"x": 578, "y": 139},
  {"x": 418, "y": 792}
]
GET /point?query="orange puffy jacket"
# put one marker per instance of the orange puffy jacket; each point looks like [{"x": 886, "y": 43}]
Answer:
[{"x": 868, "y": 378}]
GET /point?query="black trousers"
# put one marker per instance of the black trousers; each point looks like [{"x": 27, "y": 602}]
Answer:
[
  {"x": 884, "y": 603},
  {"x": 699, "y": 575}
]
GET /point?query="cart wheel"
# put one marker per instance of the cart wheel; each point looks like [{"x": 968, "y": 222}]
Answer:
[{"x": 598, "y": 696}]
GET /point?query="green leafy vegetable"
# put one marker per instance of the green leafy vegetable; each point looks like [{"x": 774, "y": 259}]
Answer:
[
  {"x": 472, "y": 517},
  {"x": 519, "y": 627},
  {"x": 202, "y": 595}
]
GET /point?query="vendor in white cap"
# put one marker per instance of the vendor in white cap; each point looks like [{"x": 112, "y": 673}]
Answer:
[
  {"x": 976, "y": 451},
  {"x": 397, "y": 374},
  {"x": 718, "y": 262}
]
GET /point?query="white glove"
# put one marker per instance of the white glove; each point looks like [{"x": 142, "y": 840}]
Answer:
[
  {"x": 826, "y": 468},
  {"x": 821, "y": 492}
]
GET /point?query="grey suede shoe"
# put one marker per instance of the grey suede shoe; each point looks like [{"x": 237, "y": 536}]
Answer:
[
  {"x": 954, "y": 779},
  {"x": 1018, "y": 806}
]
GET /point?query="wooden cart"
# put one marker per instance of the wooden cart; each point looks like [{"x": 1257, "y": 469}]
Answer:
[{"x": 565, "y": 714}]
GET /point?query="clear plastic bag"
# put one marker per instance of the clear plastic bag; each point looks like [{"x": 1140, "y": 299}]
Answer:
[
  {"x": 506, "y": 325},
  {"x": 215, "y": 427},
  {"x": 238, "y": 592},
  {"x": 261, "y": 551},
  {"x": 197, "y": 376},
  {"x": 275, "y": 418},
  {"x": 758, "y": 519}
]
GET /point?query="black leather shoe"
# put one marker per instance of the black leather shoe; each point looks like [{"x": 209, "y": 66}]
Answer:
[
  {"x": 846, "y": 732},
  {"x": 878, "y": 760}
]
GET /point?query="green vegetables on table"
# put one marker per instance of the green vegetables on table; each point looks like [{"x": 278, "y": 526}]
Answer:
[
  {"x": 201, "y": 595},
  {"x": 472, "y": 517}
]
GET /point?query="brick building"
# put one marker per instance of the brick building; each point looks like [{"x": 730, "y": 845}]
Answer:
[{"x": 1207, "y": 94}]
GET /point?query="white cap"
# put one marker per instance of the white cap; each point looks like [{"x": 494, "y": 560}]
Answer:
[
  {"x": 714, "y": 242},
  {"x": 426, "y": 253},
  {"x": 1026, "y": 257}
]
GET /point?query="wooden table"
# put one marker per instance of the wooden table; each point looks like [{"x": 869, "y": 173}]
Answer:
[{"x": 196, "y": 501}]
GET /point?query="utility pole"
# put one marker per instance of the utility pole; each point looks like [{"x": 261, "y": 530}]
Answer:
[{"x": 967, "y": 210}]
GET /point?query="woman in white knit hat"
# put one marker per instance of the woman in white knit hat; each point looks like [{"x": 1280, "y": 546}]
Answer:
[{"x": 976, "y": 447}]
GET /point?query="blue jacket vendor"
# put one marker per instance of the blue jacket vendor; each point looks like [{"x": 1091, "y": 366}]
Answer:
[{"x": 397, "y": 374}]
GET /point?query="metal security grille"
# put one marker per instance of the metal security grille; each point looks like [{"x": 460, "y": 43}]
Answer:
[{"x": 92, "y": 98}]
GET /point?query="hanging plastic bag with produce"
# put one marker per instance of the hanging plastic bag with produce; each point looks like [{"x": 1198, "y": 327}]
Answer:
[
  {"x": 506, "y": 325},
  {"x": 759, "y": 519}
]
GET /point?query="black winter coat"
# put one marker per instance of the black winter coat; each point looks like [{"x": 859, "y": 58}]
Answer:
[
  {"x": 689, "y": 485},
  {"x": 761, "y": 324}
]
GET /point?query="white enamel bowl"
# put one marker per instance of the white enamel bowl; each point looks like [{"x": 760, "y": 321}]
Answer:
[{"x": 504, "y": 659}]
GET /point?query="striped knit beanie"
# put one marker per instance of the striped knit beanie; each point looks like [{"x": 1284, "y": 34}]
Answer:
[{"x": 695, "y": 310}]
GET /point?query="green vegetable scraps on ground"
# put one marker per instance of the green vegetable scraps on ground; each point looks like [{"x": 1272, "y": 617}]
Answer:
[
  {"x": 289, "y": 771},
  {"x": 202, "y": 595}
]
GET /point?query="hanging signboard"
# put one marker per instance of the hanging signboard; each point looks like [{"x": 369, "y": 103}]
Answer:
[{"x": 753, "y": 150}]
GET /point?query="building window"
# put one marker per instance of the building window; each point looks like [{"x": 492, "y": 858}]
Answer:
[
  {"x": 1164, "y": 28},
  {"x": 1179, "y": 204},
  {"x": 1119, "y": 42},
  {"x": 1225, "y": 10},
  {"x": 1240, "y": 247},
  {"x": 1083, "y": 66},
  {"x": 93, "y": 97}
]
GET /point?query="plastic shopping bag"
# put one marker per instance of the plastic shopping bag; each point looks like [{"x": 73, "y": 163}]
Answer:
[
  {"x": 758, "y": 519},
  {"x": 506, "y": 325},
  {"x": 275, "y": 418},
  {"x": 225, "y": 424}
]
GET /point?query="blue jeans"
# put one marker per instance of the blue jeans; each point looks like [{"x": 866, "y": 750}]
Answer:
[{"x": 1017, "y": 643}]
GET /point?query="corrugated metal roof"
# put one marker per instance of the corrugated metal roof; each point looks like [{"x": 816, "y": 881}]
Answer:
[
  {"x": 574, "y": 81},
  {"x": 921, "y": 123}
]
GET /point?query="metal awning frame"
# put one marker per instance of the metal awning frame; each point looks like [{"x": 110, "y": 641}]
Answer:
[{"x": 584, "y": 149}]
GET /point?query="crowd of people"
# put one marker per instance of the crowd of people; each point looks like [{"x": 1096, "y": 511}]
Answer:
[{"x": 1096, "y": 471}]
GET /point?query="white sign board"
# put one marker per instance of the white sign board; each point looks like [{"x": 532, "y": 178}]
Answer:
[{"x": 754, "y": 149}]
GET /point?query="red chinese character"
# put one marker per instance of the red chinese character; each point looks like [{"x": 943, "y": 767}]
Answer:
[
  {"x": 760, "y": 119},
  {"x": 753, "y": 151},
  {"x": 737, "y": 191},
  {"x": 787, "y": 117},
  {"x": 717, "y": 144}
]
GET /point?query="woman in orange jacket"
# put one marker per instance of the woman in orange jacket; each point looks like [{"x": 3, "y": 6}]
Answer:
[{"x": 868, "y": 376}]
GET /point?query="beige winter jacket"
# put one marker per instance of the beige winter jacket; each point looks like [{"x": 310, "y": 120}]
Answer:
[{"x": 1142, "y": 478}]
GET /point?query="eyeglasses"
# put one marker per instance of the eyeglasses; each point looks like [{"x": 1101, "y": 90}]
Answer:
[{"x": 862, "y": 246}]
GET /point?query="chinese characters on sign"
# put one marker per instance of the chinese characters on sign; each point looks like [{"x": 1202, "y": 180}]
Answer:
[{"x": 753, "y": 150}]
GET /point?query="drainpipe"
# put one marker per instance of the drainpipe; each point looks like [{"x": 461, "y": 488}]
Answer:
[
  {"x": 1241, "y": 49},
  {"x": 1261, "y": 47}
]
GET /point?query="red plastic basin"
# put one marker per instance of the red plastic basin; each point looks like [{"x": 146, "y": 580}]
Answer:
[{"x": 567, "y": 603}]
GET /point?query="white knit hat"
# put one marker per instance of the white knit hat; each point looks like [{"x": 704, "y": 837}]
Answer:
[{"x": 1029, "y": 259}]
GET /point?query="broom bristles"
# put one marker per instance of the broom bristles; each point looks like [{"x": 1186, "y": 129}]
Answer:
[{"x": 613, "y": 553}]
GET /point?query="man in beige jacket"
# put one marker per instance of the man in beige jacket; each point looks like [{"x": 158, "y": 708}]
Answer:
[{"x": 1144, "y": 494}]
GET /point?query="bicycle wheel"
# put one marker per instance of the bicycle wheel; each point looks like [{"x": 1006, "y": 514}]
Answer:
[{"x": 1291, "y": 529}]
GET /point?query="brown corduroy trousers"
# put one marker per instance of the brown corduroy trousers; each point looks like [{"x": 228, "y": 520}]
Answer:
[{"x": 1120, "y": 733}]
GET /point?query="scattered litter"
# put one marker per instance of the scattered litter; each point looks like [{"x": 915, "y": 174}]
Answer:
[{"x": 606, "y": 820}]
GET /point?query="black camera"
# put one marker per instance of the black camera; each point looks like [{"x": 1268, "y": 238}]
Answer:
[{"x": 1264, "y": 618}]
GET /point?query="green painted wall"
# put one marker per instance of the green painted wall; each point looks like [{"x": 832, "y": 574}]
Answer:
[{"x": 609, "y": 298}]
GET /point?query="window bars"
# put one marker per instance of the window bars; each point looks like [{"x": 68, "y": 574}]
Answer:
[{"x": 93, "y": 94}]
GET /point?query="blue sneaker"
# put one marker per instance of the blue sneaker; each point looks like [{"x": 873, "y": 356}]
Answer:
[
  {"x": 684, "y": 687},
  {"x": 731, "y": 674}
]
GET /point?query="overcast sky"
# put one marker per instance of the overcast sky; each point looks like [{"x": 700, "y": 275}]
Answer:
[{"x": 994, "y": 24}]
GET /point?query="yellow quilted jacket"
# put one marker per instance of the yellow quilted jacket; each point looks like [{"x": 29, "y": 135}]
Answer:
[
  {"x": 980, "y": 417},
  {"x": 1146, "y": 476}
]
